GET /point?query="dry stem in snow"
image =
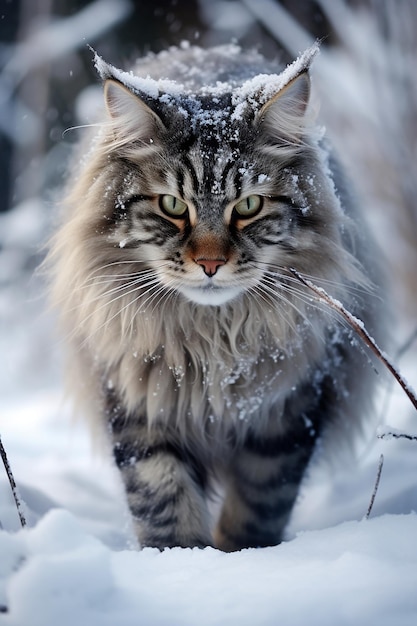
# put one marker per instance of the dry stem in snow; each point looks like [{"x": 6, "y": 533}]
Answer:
[
  {"x": 360, "y": 329},
  {"x": 12, "y": 484},
  {"x": 378, "y": 478}
]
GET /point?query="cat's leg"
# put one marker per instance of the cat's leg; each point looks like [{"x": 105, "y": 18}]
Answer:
[
  {"x": 164, "y": 486},
  {"x": 262, "y": 486}
]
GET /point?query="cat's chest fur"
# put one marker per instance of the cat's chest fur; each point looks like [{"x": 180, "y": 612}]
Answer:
[{"x": 213, "y": 368}]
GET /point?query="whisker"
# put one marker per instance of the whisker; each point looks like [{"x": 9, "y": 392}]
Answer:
[
  {"x": 167, "y": 292},
  {"x": 123, "y": 290},
  {"x": 128, "y": 262},
  {"x": 110, "y": 319},
  {"x": 142, "y": 280},
  {"x": 347, "y": 286},
  {"x": 115, "y": 299},
  {"x": 291, "y": 289},
  {"x": 154, "y": 295},
  {"x": 91, "y": 281},
  {"x": 92, "y": 276},
  {"x": 285, "y": 300},
  {"x": 279, "y": 301},
  {"x": 290, "y": 285},
  {"x": 70, "y": 128}
]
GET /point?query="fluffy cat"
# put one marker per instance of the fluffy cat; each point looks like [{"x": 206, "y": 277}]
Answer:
[{"x": 195, "y": 347}]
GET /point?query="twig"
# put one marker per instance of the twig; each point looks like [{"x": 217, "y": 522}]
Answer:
[
  {"x": 12, "y": 484},
  {"x": 391, "y": 434},
  {"x": 378, "y": 478},
  {"x": 360, "y": 329},
  {"x": 400, "y": 352}
]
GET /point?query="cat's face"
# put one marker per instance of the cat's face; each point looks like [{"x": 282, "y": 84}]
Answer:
[
  {"x": 213, "y": 204},
  {"x": 208, "y": 246}
]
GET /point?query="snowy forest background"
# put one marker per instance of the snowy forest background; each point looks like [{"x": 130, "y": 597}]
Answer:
[{"x": 366, "y": 82}]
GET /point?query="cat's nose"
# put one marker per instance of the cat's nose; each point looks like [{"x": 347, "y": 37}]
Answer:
[{"x": 210, "y": 266}]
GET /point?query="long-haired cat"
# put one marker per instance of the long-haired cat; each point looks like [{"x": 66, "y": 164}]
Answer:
[{"x": 195, "y": 346}]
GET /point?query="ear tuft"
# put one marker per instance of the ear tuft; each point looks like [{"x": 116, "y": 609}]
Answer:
[
  {"x": 132, "y": 118},
  {"x": 293, "y": 98},
  {"x": 283, "y": 118}
]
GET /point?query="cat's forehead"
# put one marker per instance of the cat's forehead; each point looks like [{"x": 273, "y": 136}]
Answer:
[
  {"x": 215, "y": 145},
  {"x": 210, "y": 120},
  {"x": 202, "y": 130}
]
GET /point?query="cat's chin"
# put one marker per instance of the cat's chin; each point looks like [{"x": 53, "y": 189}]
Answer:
[{"x": 210, "y": 296}]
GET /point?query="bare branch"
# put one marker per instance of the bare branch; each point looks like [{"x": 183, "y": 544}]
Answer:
[
  {"x": 378, "y": 478},
  {"x": 12, "y": 484},
  {"x": 393, "y": 434},
  {"x": 360, "y": 329}
]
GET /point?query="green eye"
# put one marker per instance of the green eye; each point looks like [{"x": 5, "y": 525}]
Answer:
[
  {"x": 172, "y": 206},
  {"x": 248, "y": 207}
]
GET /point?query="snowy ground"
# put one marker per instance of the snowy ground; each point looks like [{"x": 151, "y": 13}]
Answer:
[{"x": 77, "y": 562}]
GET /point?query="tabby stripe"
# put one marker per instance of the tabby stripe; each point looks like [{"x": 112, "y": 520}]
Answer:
[
  {"x": 272, "y": 482},
  {"x": 267, "y": 510},
  {"x": 152, "y": 508},
  {"x": 122, "y": 423},
  {"x": 118, "y": 419},
  {"x": 284, "y": 200},
  {"x": 287, "y": 246},
  {"x": 164, "y": 522},
  {"x": 180, "y": 182},
  {"x": 152, "y": 221},
  {"x": 192, "y": 172},
  {"x": 226, "y": 170},
  {"x": 273, "y": 242},
  {"x": 237, "y": 181},
  {"x": 268, "y": 446},
  {"x": 129, "y": 453},
  {"x": 135, "y": 198}
]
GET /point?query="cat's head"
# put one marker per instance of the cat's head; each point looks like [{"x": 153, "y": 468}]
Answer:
[{"x": 216, "y": 190}]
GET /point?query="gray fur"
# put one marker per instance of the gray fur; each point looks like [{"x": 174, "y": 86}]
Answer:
[{"x": 233, "y": 376}]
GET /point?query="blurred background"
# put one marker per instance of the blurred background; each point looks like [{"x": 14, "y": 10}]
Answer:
[{"x": 365, "y": 79}]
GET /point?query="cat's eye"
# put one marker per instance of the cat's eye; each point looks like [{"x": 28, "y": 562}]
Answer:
[
  {"x": 248, "y": 207},
  {"x": 172, "y": 206}
]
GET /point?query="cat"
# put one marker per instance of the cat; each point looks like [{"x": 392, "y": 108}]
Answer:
[{"x": 201, "y": 357}]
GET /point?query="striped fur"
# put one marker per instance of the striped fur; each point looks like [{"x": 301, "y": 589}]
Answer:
[{"x": 189, "y": 338}]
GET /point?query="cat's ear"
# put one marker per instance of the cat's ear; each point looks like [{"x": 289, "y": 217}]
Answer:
[
  {"x": 132, "y": 118},
  {"x": 291, "y": 100},
  {"x": 284, "y": 113},
  {"x": 283, "y": 117}
]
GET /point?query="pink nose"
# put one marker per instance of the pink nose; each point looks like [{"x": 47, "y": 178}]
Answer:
[{"x": 210, "y": 266}]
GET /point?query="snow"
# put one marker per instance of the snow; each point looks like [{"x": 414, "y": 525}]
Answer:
[
  {"x": 69, "y": 577},
  {"x": 253, "y": 92},
  {"x": 148, "y": 85},
  {"x": 261, "y": 88}
]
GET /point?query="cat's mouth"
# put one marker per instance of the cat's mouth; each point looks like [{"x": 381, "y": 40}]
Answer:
[{"x": 209, "y": 294}]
